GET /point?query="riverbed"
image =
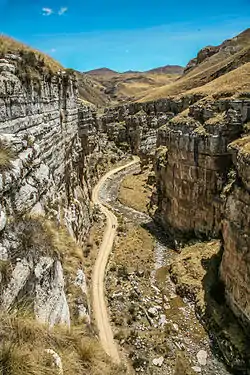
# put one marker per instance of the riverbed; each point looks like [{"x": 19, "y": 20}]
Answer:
[{"x": 158, "y": 332}]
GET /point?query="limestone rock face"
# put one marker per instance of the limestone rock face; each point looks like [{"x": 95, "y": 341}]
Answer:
[
  {"x": 133, "y": 127},
  {"x": 192, "y": 163},
  {"x": 43, "y": 173},
  {"x": 50, "y": 300},
  {"x": 235, "y": 266}
]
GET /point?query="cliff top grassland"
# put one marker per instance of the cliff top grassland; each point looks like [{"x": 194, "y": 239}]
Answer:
[{"x": 11, "y": 46}]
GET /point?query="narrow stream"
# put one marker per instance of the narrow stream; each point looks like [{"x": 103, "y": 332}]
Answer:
[{"x": 189, "y": 335}]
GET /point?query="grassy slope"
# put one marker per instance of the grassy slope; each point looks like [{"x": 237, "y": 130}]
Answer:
[
  {"x": 228, "y": 69},
  {"x": 131, "y": 85},
  {"x": 91, "y": 91},
  {"x": 25, "y": 342},
  {"x": 9, "y": 45}
]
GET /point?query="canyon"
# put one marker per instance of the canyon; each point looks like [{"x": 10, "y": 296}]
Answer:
[{"x": 55, "y": 147}]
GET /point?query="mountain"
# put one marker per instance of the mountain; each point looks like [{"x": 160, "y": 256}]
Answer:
[
  {"x": 130, "y": 85},
  {"x": 168, "y": 69},
  {"x": 101, "y": 72},
  {"x": 217, "y": 69}
]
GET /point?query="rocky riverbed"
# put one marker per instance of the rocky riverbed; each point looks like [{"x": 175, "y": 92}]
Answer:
[{"x": 156, "y": 329}]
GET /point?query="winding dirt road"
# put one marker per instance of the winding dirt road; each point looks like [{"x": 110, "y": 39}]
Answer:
[{"x": 98, "y": 291}]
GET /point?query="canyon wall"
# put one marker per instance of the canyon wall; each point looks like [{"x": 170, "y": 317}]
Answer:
[
  {"x": 202, "y": 168},
  {"x": 134, "y": 126},
  {"x": 51, "y": 154},
  {"x": 192, "y": 163},
  {"x": 235, "y": 266}
]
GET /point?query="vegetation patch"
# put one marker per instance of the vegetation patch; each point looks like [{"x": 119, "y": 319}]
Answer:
[
  {"x": 31, "y": 57},
  {"x": 219, "y": 119},
  {"x": 134, "y": 248},
  {"x": 189, "y": 271},
  {"x": 24, "y": 345},
  {"x": 134, "y": 191},
  {"x": 7, "y": 155}
]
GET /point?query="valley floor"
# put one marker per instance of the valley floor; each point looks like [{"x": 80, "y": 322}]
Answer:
[{"x": 157, "y": 331}]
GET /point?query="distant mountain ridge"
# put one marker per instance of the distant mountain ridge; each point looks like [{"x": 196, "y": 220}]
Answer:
[
  {"x": 167, "y": 69},
  {"x": 101, "y": 71},
  {"x": 104, "y": 85}
]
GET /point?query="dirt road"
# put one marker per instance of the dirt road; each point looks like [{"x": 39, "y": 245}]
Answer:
[{"x": 98, "y": 291}]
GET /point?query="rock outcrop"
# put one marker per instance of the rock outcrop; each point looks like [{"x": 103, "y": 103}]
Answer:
[
  {"x": 192, "y": 164},
  {"x": 51, "y": 154},
  {"x": 235, "y": 266},
  {"x": 134, "y": 126}
]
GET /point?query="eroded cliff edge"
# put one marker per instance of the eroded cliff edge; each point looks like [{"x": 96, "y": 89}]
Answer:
[{"x": 52, "y": 153}]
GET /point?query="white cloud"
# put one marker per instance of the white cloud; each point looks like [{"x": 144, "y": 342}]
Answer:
[
  {"x": 62, "y": 11},
  {"x": 47, "y": 11},
  {"x": 53, "y": 50}
]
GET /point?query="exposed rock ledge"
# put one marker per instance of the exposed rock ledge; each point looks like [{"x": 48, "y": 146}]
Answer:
[{"x": 51, "y": 154}]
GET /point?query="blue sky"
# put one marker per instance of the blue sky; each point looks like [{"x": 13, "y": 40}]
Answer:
[{"x": 123, "y": 34}]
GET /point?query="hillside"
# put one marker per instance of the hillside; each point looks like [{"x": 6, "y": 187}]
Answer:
[
  {"x": 101, "y": 71},
  {"x": 91, "y": 90},
  {"x": 213, "y": 63},
  {"x": 121, "y": 87},
  {"x": 168, "y": 69}
]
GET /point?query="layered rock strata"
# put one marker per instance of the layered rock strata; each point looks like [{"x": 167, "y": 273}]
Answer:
[
  {"x": 192, "y": 164},
  {"x": 235, "y": 266},
  {"x": 50, "y": 148},
  {"x": 134, "y": 126}
]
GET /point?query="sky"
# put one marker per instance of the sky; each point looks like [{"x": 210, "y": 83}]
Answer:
[{"x": 123, "y": 34}]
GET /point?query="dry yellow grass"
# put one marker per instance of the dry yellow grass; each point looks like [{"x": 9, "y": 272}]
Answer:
[
  {"x": 188, "y": 269},
  {"x": 6, "y": 157},
  {"x": 226, "y": 72},
  {"x": 130, "y": 86},
  {"x": 45, "y": 237},
  {"x": 242, "y": 145},
  {"x": 23, "y": 345},
  {"x": 134, "y": 248},
  {"x": 135, "y": 86},
  {"x": 216, "y": 120},
  {"x": 134, "y": 192},
  {"x": 9, "y": 45},
  {"x": 234, "y": 82}
]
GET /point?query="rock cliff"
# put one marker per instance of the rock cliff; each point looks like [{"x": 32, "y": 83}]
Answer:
[
  {"x": 234, "y": 268},
  {"x": 192, "y": 163},
  {"x": 51, "y": 154},
  {"x": 134, "y": 126}
]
